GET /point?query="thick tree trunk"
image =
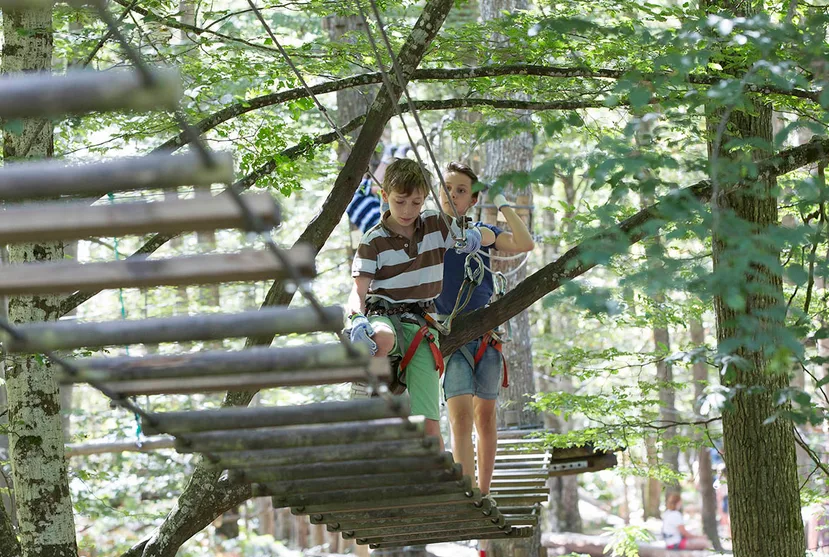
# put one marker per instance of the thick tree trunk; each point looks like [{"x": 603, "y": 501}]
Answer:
[
  {"x": 514, "y": 153},
  {"x": 9, "y": 545},
  {"x": 706, "y": 474},
  {"x": 563, "y": 511},
  {"x": 760, "y": 456},
  {"x": 44, "y": 506}
]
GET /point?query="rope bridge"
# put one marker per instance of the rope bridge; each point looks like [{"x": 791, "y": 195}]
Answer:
[{"x": 363, "y": 467}]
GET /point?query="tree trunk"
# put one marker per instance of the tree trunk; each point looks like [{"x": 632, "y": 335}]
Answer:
[
  {"x": 514, "y": 153},
  {"x": 44, "y": 506},
  {"x": 651, "y": 487},
  {"x": 760, "y": 456},
  {"x": 706, "y": 475},
  {"x": 563, "y": 511},
  {"x": 9, "y": 545}
]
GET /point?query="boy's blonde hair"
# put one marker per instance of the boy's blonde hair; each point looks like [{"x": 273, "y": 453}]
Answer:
[{"x": 405, "y": 177}]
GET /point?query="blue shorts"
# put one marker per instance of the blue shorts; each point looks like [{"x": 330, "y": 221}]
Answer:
[{"x": 482, "y": 382}]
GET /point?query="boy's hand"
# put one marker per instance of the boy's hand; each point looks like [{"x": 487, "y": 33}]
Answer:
[
  {"x": 472, "y": 241},
  {"x": 500, "y": 201},
  {"x": 362, "y": 331}
]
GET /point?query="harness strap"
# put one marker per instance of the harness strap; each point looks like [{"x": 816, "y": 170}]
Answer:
[
  {"x": 491, "y": 340},
  {"x": 422, "y": 333}
]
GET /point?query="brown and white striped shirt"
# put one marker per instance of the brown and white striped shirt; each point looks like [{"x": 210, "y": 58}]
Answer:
[{"x": 405, "y": 270}]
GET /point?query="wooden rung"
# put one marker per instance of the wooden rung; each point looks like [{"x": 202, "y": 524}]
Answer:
[
  {"x": 403, "y": 502},
  {"x": 172, "y": 383},
  {"x": 41, "y": 95},
  {"x": 379, "y": 369},
  {"x": 449, "y": 527},
  {"x": 425, "y": 540},
  {"x": 518, "y": 491},
  {"x": 537, "y": 483},
  {"x": 523, "y": 500},
  {"x": 590, "y": 464},
  {"x": 53, "y": 178},
  {"x": 520, "y": 457},
  {"x": 367, "y": 479},
  {"x": 462, "y": 529},
  {"x": 303, "y": 436},
  {"x": 437, "y": 508},
  {"x": 254, "y": 417},
  {"x": 53, "y": 278},
  {"x": 370, "y": 521},
  {"x": 379, "y": 496},
  {"x": 329, "y": 470},
  {"x": 512, "y": 465},
  {"x": 75, "y": 221},
  {"x": 312, "y": 456},
  {"x": 268, "y": 321}
]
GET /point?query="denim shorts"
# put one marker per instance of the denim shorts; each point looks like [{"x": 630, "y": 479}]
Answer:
[{"x": 482, "y": 382}]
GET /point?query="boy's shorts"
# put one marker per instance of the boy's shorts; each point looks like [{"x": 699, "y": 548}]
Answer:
[
  {"x": 422, "y": 379},
  {"x": 483, "y": 381}
]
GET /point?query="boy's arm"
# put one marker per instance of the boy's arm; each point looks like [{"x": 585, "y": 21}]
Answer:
[
  {"x": 519, "y": 240},
  {"x": 357, "y": 298}
]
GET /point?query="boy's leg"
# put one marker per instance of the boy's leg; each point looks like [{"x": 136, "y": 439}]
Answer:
[
  {"x": 423, "y": 381},
  {"x": 458, "y": 388},
  {"x": 487, "y": 427},
  {"x": 487, "y": 383}
]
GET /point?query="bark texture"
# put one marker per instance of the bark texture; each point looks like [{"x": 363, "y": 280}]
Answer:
[
  {"x": 44, "y": 506},
  {"x": 760, "y": 457}
]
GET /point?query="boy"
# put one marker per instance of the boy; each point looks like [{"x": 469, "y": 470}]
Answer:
[
  {"x": 471, "y": 388},
  {"x": 398, "y": 273}
]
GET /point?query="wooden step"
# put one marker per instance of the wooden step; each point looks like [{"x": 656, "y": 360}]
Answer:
[
  {"x": 53, "y": 178},
  {"x": 43, "y": 95},
  {"x": 257, "y": 368},
  {"x": 390, "y": 429},
  {"x": 268, "y": 321},
  {"x": 74, "y": 221},
  {"x": 61, "y": 276},
  {"x": 258, "y": 416}
]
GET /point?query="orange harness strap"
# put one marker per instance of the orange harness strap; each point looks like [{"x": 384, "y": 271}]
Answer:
[
  {"x": 489, "y": 340},
  {"x": 422, "y": 333}
]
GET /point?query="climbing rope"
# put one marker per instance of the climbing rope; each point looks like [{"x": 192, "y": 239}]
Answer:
[
  {"x": 138, "y": 430},
  {"x": 402, "y": 84},
  {"x": 344, "y": 140}
]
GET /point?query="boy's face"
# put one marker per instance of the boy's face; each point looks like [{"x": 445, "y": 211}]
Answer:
[
  {"x": 404, "y": 208},
  {"x": 460, "y": 188}
]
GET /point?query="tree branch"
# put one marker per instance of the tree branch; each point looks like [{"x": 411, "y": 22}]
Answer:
[
  {"x": 248, "y": 105},
  {"x": 575, "y": 263},
  {"x": 175, "y": 24}
]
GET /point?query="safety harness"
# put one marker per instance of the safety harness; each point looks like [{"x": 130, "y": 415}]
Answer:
[
  {"x": 472, "y": 279},
  {"x": 407, "y": 313}
]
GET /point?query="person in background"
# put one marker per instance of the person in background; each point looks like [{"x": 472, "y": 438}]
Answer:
[{"x": 674, "y": 533}]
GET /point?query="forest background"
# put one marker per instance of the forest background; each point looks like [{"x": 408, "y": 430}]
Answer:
[{"x": 671, "y": 156}]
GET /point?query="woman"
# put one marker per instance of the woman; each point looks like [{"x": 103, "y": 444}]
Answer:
[{"x": 673, "y": 527}]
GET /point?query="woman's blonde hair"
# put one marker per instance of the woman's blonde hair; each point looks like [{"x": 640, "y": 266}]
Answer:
[{"x": 405, "y": 177}]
